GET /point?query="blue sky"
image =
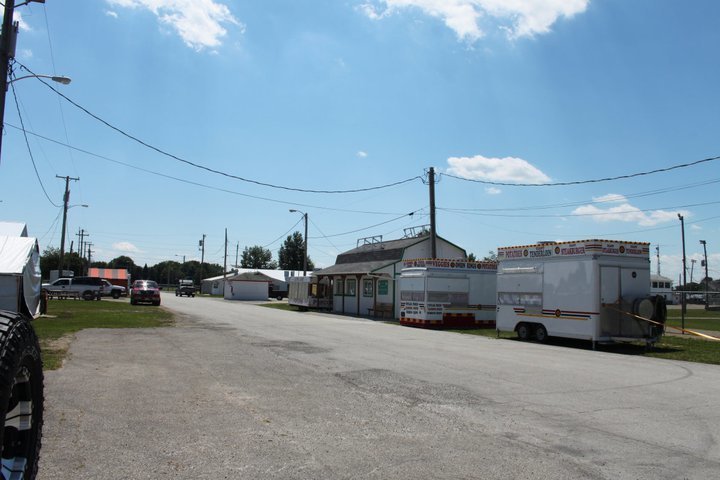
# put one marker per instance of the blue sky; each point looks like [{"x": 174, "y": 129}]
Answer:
[{"x": 348, "y": 95}]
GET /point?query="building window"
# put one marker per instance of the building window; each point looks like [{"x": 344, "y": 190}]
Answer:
[
  {"x": 367, "y": 288},
  {"x": 350, "y": 285},
  {"x": 382, "y": 287},
  {"x": 338, "y": 286}
]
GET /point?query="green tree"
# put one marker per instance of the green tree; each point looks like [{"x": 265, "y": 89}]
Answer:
[
  {"x": 472, "y": 258},
  {"x": 257, "y": 257},
  {"x": 490, "y": 257},
  {"x": 50, "y": 260},
  {"x": 291, "y": 252}
]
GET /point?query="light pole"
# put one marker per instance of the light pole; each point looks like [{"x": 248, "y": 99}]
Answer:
[
  {"x": 183, "y": 257},
  {"x": 305, "y": 242},
  {"x": 707, "y": 280},
  {"x": 55, "y": 78},
  {"x": 8, "y": 40},
  {"x": 684, "y": 305}
]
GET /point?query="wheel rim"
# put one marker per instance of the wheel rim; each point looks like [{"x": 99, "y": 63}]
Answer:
[{"x": 17, "y": 434}]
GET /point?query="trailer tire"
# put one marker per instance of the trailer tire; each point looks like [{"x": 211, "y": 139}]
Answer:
[
  {"x": 523, "y": 331},
  {"x": 21, "y": 396},
  {"x": 541, "y": 334}
]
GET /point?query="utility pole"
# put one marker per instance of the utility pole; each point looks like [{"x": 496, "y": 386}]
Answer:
[
  {"x": 237, "y": 251},
  {"x": 707, "y": 280},
  {"x": 657, "y": 250},
  {"x": 89, "y": 253},
  {"x": 81, "y": 244},
  {"x": 305, "y": 245},
  {"x": 692, "y": 269},
  {"x": 7, "y": 47},
  {"x": 433, "y": 227},
  {"x": 66, "y": 199},
  {"x": 202, "y": 260},
  {"x": 684, "y": 304},
  {"x": 225, "y": 259}
]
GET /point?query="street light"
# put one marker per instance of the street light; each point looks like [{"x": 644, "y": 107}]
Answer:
[
  {"x": 183, "y": 257},
  {"x": 305, "y": 242},
  {"x": 59, "y": 79}
]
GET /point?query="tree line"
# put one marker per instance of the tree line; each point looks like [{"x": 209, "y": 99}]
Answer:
[{"x": 290, "y": 257}]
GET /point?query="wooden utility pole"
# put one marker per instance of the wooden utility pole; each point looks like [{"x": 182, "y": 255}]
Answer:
[
  {"x": 66, "y": 199},
  {"x": 433, "y": 228},
  {"x": 7, "y": 47}
]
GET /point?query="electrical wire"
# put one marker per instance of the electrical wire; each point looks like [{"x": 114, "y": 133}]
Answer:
[
  {"x": 283, "y": 235},
  {"x": 591, "y": 202},
  {"x": 212, "y": 170},
  {"x": 583, "y": 182},
  {"x": 366, "y": 228},
  {"x": 560, "y": 215},
  {"x": 27, "y": 143},
  {"x": 198, "y": 184}
]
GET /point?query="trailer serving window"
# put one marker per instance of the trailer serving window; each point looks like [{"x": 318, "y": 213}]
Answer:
[{"x": 521, "y": 286}]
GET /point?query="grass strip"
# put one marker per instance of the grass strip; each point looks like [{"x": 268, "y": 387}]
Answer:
[{"x": 66, "y": 317}]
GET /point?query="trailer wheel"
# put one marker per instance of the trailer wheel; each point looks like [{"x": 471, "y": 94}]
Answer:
[
  {"x": 541, "y": 333},
  {"x": 21, "y": 396},
  {"x": 523, "y": 331}
]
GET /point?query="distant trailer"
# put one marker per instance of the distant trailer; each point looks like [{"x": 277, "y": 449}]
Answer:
[
  {"x": 308, "y": 293},
  {"x": 439, "y": 293},
  {"x": 597, "y": 290}
]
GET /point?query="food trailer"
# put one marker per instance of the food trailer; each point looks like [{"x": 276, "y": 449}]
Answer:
[
  {"x": 444, "y": 293},
  {"x": 597, "y": 290}
]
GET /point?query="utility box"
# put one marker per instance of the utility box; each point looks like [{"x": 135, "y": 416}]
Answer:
[
  {"x": 447, "y": 293},
  {"x": 597, "y": 290}
]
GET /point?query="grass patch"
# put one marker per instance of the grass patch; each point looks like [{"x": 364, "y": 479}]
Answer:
[
  {"x": 65, "y": 317},
  {"x": 695, "y": 319}
]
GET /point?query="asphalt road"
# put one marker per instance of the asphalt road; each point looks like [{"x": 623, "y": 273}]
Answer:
[{"x": 241, "y": 391}]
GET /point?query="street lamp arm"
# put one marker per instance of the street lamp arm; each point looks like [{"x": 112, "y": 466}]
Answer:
[{"x": 59, "y": 79}]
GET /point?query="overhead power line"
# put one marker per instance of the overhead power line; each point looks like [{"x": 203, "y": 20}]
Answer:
[
  {"x": 583, "y": 182},
  {"x": 197, "y": 184},
  {"x": 208, "y": 169}
]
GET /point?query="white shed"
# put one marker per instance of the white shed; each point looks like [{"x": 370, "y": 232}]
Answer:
[
  {"x": 20, "y": 279},
  {"x": 247, "y": 286}
]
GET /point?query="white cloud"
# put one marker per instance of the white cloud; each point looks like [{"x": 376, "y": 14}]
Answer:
[
  {"x": 111, "y": 13},
  {"x": 200, "y": 23},
  {"x": 503, "y": 170},
  {"x": 361, "y": 154},
  {"x": 125, "y": 247},
  {"x": 610, "y": 198},
  {"x": 625, "y": 212},
  {"x": 493, "y": 191},
  {"x": 519, "y": 18}
]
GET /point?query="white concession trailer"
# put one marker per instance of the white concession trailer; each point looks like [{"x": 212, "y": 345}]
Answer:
[
  {"x": 597, "y": 290},
  {"x": 447, "y": 293}
]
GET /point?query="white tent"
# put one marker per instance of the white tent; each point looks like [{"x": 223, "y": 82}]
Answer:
[
  {"x": 20, "y": 279},
  {"x": 13, "y": 229}
]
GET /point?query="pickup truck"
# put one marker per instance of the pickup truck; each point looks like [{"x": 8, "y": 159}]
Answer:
[
  {"x": 114, "y": 291},
  {"x": 87, "y": 288},
  {"x": 186, "y": 287}
]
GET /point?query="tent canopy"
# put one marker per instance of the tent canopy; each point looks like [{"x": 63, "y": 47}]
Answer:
[{"x": 20, "y": 279}]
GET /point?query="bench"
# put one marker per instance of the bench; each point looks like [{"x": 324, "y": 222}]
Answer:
[
  {"x": 381, "y": 309},
  {"x": 63, "y": 294}
]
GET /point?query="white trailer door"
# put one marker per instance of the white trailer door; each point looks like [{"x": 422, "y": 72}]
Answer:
[{"x": 610, "y": 318}]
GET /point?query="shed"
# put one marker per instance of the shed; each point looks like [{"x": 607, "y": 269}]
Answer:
[
  {"x": 247, "y": 286},
  {"x": 364, "y": 279},
  {"x": 20, "y": 279}
]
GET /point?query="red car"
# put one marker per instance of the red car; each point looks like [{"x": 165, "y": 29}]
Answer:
[{"x": 146, "y": 291}]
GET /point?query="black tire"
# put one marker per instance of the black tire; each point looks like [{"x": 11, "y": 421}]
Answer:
[
  {"x": 88, "y": 295},
  {"x": 523, "y": 331},
  {"x": 21, "y": 396},
  {"x": 116, "y": 294},
  {"x": 279, "y": 297},
  {"x": 541, "y": 334},
  {"x": 157, "y": 304}
]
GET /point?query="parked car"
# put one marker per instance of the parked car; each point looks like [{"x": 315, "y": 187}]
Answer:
[
  {"x": 114, "y": 291},
  {"x": 186, "y": 287},
  {"x": 145, "y": 291},
  {"x": 87, "y": 288}
]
